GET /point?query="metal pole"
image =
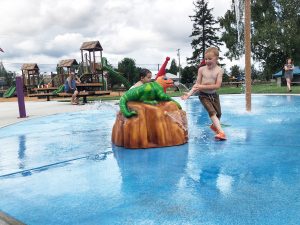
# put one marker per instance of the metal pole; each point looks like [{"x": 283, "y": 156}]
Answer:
[
  {"x": 20, "y": 94},
  {"x": 179, "y": 70},
  {"x": 248, "y": 53}
]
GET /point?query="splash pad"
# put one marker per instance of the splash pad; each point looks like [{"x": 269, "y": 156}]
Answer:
[{"x": 53, "y": 171}]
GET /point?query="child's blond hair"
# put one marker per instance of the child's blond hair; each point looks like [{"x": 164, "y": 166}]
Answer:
[{"x": 214, "y": 50}]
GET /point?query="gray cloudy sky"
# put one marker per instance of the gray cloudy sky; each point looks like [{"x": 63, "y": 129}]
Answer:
[{"x": 46, "y": 31}]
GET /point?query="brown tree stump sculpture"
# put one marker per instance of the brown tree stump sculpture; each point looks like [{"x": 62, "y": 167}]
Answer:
[{"x": 155, "y": 126}]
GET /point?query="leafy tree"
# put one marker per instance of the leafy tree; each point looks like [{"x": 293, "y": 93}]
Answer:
[
  {"x": 225, "y": 76},
  {"x": 230, "y": 35},
  {"x": 173, "y": 67},
  {"x": 275, "y": 33},
  {"x": 256, "y": 74},
  {"x": 204, "y": 31},
  {"x": 189, "y": 74},
  {"x": 9, "y": 77},
  {"x": 235, "y": 71},
  {"x": 2, "y": 70},
  {"x": 137, "y": 78},
  {"x": 128, "y": 68}
]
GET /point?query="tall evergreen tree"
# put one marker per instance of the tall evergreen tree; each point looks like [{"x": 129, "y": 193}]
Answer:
[
  {"x": 173, "y": 67},
  {"x": 204, "y": 31}
]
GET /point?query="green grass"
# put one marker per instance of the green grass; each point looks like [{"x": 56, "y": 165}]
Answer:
[
  {"x": 256, "y": 89},
  {"x": 259, "y": 89}
]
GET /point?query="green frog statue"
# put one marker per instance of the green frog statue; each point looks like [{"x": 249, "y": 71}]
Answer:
[{"x": 149, "y": 93}]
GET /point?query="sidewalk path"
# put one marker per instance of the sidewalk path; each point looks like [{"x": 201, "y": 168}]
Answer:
[{"x": 9, "y": 111}]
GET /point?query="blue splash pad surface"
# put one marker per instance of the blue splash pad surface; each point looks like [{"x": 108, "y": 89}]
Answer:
[{"x": 63, "y": 169}]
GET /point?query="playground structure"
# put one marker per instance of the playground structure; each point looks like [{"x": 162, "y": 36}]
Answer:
[
  {"x": 31, "y": 76},
  {"x": 115, "y": 74},
  {"x": 90, "y": 67},
  {"x": 64, "y": 68},
  {"x": 90, "y": 71},
  {"x": 9, "y": 92},
  {"x": 93, "y": 71}
]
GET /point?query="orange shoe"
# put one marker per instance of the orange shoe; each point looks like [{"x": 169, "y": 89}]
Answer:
[
  {"x": 221, "y": 136},
  {"x": 213, "y": 128}
]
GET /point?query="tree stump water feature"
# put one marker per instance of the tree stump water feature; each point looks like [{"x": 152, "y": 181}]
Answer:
[{"x": 155, "y": 126}]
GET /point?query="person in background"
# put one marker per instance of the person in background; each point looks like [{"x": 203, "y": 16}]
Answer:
[
  {"x": 145, "y": 77},
  {"x": 288, "y": 73},
  {"x": 209, "y": 79},
  {"x": 70, "y": 87}
]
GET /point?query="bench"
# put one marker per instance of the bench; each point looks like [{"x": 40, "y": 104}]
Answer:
[
  {"x": 119, "y": 90},
  {"x": 237, "y": 83},
  {"x": 47, "y": 95},
  {"x": 85, "y": 94},
  {"x": 98, "y": 93},
  {"x": 295, "y": 82}
]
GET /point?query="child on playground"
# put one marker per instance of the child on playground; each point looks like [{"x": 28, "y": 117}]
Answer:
[
  {"x": 145, "y": 77},
  {"x": 70, "y": 87},
  {"x": 209, "y": 79}
]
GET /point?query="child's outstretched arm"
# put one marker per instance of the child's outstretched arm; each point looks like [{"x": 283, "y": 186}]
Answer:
[
  {"x": 188, "y": 94},
  {"x": 195, "y": 86}
]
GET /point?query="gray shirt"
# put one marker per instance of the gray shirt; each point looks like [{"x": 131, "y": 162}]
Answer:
[{"x": 288, "y": 69}]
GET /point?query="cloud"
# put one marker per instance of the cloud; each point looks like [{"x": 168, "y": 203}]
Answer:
[
  {"x": 145, "y": 30},
  {"x": 63, "y": 44}
]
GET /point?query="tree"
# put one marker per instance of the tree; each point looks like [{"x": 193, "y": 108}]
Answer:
[
  {"x": 128, "y": 68},
  {"x": 275, "y": 33},
  {"x": 235, "y": 71},
  {"x": 256, "y": 74},
  {"x": 2, "y": 70},
  {"x": 189, "y": 74},
  {"x": 9, "y": 77},
  {"x": 225, "y": 76},
  {"x": 204, "y": 31},
  {"x": 230, "y": 35},
  {"x": 138, "y": 71},
  {"x": 173, "y": 68}
]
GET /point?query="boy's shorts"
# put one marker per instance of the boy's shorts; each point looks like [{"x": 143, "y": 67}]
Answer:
[{"x": 211, "y": 103}]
